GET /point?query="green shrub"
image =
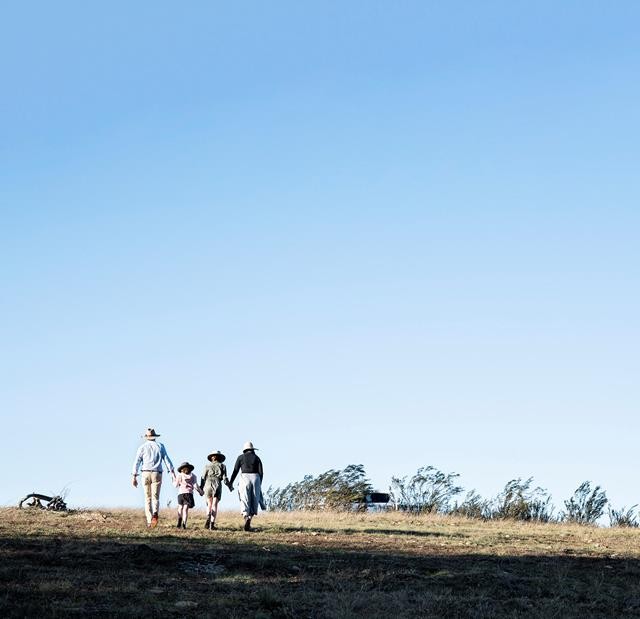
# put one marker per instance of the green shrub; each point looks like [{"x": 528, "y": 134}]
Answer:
[
  {"x": 473, "y": 506},
  {"x": 332, "y": 489},
  {"x": 428, "y": 491},
  {"x": 518, "y": 501},
  {"x": 623, "y": 517},
  {"x": 586, "y": 506}
]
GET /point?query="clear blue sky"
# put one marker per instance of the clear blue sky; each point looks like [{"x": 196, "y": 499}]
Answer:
[{"x": 388, "y": 233}]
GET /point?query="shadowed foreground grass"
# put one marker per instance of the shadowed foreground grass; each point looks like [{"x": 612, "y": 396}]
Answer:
[{"x": 107, "y": 563}]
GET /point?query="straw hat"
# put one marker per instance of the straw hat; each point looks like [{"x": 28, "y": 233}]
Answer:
[
  {"x": 221, "y": 456},
  {"x": 248, "y": 445}
]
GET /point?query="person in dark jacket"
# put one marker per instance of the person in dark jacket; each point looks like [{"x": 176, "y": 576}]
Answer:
[{"x": 249, "y": 466}]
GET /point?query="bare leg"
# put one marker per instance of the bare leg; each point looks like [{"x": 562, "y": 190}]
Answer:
[
  {"x": 214, "y": 511},
  {"x": 209, "y": 502}
]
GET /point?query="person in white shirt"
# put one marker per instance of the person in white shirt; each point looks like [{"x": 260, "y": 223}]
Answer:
[{"x": 149, "y": 459}]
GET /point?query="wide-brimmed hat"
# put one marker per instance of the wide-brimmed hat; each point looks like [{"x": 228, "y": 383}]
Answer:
[
  {"x": 221, "y": 456},
  {"x": 150, "y": 434},
  {"x": 186, "y": 465},
  {"x": 248, "y": 445}
]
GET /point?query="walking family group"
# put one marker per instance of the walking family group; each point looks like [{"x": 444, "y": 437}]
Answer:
[{"x": 152, "y": 456}]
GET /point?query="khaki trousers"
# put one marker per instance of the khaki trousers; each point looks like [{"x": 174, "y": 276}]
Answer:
[{"x": 151, "y": 482}]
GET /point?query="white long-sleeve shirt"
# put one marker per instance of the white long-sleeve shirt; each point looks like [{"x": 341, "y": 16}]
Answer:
[{"x": 150, "y": 456}]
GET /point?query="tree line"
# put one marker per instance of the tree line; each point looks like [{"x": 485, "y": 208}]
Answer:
[{"x": 431, "y": 491}]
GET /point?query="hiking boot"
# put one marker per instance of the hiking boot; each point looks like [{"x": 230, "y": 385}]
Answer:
[
  {"x": 154, "y": 521},
  {"x": 247, "y": 524},
  {"x": 207, "y": 524},
  {"x": 184, "y": 525},
  {"x": 179, "y": 522}
]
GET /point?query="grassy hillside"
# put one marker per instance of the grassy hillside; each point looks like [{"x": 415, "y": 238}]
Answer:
[{"x": 107, "y": 563}]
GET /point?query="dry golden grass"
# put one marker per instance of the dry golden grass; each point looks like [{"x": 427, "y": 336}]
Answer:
[{"x": 107, "y": 563}]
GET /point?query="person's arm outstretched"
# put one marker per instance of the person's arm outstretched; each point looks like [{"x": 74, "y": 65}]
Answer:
[
  {"x": 236, "y": 470},
  {"x": 194, "y": 477},
  {"x": 167, "y": 459}
]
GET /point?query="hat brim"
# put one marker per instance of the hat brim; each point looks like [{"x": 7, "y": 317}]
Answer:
[
  {"x": 221, "y": 457},
  {"x": 187, "y": 469}
]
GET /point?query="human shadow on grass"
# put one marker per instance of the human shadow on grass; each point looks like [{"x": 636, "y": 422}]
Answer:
[{"x": 167, "y": 575}]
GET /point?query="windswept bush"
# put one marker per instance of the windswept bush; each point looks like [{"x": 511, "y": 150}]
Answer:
[
  {"x": 518, "y": 501},
  {"x": 586, "y": 505},
  {"x": 332, "y": 489},
  {"x": 473, "y": 506},
  {"x": 432, "y": 491},
  {"x": 288, "y": 498},
  {"x": 623, "y": 517},
  {"x": 428, "y": 491}
]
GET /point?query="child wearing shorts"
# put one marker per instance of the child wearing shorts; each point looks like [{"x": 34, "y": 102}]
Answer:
[
  {"x": 213, "y": 476},
  {"x": 185, "y": 481}
]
